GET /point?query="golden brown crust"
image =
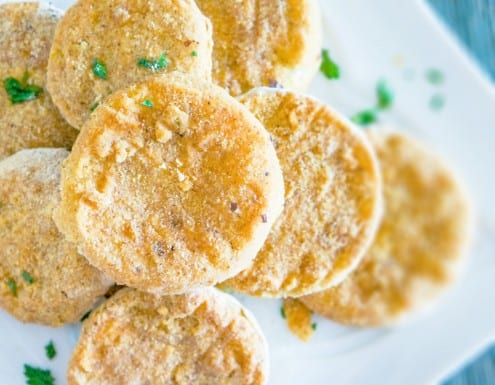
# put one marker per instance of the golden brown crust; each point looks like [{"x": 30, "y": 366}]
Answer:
[
  {"x": 418, "y": 247},
  {"x": 332, "y": 198},
  {"x": 204, "y": 337},
  {"x": 173, "y": 197},
  {"x": 118, "y": 33},
  {"x": 264, "y": 42},
  {"x": 64, "y": 285},
  {"x": 26, "y": 34}
]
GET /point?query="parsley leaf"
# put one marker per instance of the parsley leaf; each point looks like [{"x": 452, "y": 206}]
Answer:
[
  {"x": 93, "y": 107},
  {"x": 12, "y": 286},
  {"x": 434, "y": 76},
  {"x": 385, "y": 99},
  {"x": 20, "y": 91},
  {"x": 437, "y": 102},
  {"x": 282, "y": 312},
  {"x": 50, "y": 350},
  {"x": 328, "y": 67},
  {"x": 37, "y": 376},
  {"x": 100, "y": 69},
  {"x": 147, "y": 103},
  {"x": 226, "y": 289},
  {"x": 27, "y": 277},
  {"x": 314, "y": 325},
  {"x": 384, "y": 95},
  {"x": 153, "y": 65},
  {"x": 365, "y": 117},
  {"x": 86, "y": 316},
  {"x": 194, "y": 53}
]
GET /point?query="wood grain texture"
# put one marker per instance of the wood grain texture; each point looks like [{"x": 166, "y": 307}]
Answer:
[
  {"x": 473, "y": 21},
  {"x": 480, "y": 372}
]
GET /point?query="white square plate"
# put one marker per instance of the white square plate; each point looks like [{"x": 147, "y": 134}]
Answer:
[{"x": 398, "y": 41}]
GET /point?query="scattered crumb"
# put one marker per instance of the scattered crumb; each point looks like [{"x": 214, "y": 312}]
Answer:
[
  {"x": 163, "y": 135},
  {"x": 298, "y": 318}
]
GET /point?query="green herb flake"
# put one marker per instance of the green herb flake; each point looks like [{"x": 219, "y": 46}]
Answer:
[
  {"x": 21, "y": 91},
  {"x": 27, "y": 277},
  {"x": 226, "y": 289},
  {"x": 93, "y": 107},
  {"x": 328, "y": 67},
  {"x": 194, "y": 53},
  {"x": 282, "y": 313},
  {"x": 86, "y": 316},
  {"x": 50, "y": 350},
  {"x": 437, "y": 102},
  {"x": 434, "y": 76},
  {"x": 37, "y": 376},
  {"x": 384, "y": 95},
  {"x": 12, "y": 286},
  {"x": 365, "y": 118},
  {"x": 100, "y": 69},
  {"x": 314, "y": 326},
  {"x": 147, "y": 103},
  {"x": 153, "y": 65}
]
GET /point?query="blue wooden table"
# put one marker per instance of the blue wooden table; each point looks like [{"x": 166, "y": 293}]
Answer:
[{"x": 473, "y": 21}]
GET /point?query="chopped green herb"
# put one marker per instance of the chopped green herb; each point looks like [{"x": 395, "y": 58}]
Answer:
[
  {"x": 100, "y": 69},
  {"x": 153, "y": 65},
  {"x": 27, "y": 277},
  {"x": 385, "y": 99},
  {"x": 365, "y": 118},
  {"x": 384, "y": 94},
  {"x": 37, "y": 376},
  {"x": 282, "y": 312},
  {"x": 12, "y": 286},
  {"x": 194, "y": 53},
  {"x": 20, "y": 91},
  {"x": 434, "y": 76},
  {"x": 225, "y": 289},
  {"x": 147, "y": 103},
  {"x": 86, "y": 316},
  {"x": 93, "y": 107},
  {"x": 328, "y": 67},
  {"x": 314, "y": 325},
  {"x": 437, "y": 102},
  {"x": 50, "y": 350}
]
